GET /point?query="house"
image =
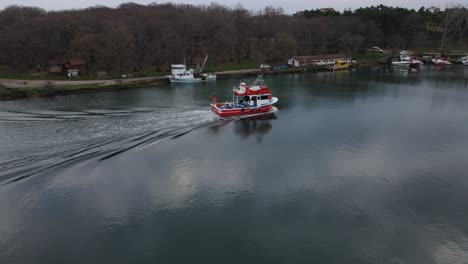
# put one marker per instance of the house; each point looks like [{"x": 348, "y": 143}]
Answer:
[
  {"x": 433, "y": 9},
  {"x": 433, "y": 27},
  {"x": 317, "y": 60},
  {"x": 75, "y": 67}
]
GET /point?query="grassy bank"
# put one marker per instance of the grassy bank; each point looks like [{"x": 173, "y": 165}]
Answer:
[
  {"x": 20, "y": 93},
  {"x": 372, "y": 59},
  {"x": 245, "y": 68}
]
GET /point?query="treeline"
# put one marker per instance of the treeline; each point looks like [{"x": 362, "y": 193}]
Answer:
[{"x": 135, "y": 37}]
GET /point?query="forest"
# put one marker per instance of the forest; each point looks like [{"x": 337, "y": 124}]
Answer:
[{"x": 133, "y": 37}]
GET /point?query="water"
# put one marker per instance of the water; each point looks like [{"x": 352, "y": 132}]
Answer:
[{"x": 361, "y": 167}]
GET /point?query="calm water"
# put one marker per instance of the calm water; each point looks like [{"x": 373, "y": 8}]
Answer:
[{"x": 361, "y": 167}]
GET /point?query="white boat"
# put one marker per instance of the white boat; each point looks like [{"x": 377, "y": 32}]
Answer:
[
  {"x": 440, "y": 61},
  {"x": 180, "y": 74},
  {"x": 416, "y": 62},
  {"x": 462, "y": 59},
  {"x": 465, "y": 62},
  {"x": 406, "y": 60},
  {"x": 401, "y": 63}
]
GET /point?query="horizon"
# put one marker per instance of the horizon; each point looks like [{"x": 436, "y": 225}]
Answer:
[{"x": 290, "y": 7}]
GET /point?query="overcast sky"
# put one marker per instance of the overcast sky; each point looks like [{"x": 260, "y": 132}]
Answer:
[{"x": 290, "y": 6}]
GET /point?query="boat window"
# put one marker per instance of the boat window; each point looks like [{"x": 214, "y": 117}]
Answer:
[{"x": 264, "y": 97}]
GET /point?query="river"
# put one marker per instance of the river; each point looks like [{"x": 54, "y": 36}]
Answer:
[{"x": 353, "y": 167}]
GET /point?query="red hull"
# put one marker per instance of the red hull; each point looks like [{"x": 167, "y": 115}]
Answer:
[{"x": 240, "y": 112}]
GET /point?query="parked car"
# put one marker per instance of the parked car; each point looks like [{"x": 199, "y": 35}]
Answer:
[
  {"x": 264, "y": 66},
  {"x": 376, "y": 49},
  {"x": 280, "y": 67}
]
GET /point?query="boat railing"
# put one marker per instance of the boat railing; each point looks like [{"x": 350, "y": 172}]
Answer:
[{"x": 259, "y": 81}]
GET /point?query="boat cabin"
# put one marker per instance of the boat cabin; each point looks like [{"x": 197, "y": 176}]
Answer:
[
  {"x": 180, "y": 71},
  {"x": 251, "y": 97}
]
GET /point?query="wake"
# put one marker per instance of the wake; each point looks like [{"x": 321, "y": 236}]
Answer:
[{"x": 97, "y": 135}]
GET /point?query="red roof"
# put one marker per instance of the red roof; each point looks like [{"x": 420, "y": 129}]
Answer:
[
  {"x": 76, "y": 62},
  {"x": 248, "y": 91},
  {"x": 319, "y": 57}
]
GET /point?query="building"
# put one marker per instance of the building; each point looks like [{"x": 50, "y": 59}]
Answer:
[
  {"x": 433, "y": 9},
  {"x": 76, "y": 67},
  {"x": 317, "y": 60},
  {"x": 432, "y": 27}
]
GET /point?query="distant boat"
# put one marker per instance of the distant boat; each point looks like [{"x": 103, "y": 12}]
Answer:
[
  {"x": 414, "y": 62},
  {"x": 440, "y": 61},
  {"x": 465, "y": 62},
  {"x": 406, "y": 60},
  {"x": 462, "y": 59},
  {"x": 180, "y": 74},
  {"x": 401, "y": 63}
]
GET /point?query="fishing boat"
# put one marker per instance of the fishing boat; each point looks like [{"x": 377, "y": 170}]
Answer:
[
  {"x": 246, "y": 100},
  {"x": 180, "y": 74}
]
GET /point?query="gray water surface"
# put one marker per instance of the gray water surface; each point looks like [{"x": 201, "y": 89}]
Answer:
[{"x": 360, "y": 167}]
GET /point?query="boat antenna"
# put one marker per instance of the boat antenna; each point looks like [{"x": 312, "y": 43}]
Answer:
[{"x": 259, "y": 81}]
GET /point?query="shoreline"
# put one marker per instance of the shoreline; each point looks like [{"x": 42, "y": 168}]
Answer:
[{"x": 13, "y": 89}]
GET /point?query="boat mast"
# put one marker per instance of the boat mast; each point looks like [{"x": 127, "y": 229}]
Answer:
[
  {"x": 204, "y": 63},
  {"x": 259, "y": 81}
]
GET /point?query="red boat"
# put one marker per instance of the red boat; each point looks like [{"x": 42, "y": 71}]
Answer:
[{"x": 246, "y": 100}]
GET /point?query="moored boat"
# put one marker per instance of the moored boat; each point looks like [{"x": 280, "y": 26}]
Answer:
[
  {"x": 414, "y": 62},
  {"x": 401, "y": 63},
  {"x": 440, "y": 61},
  {"x": 247, "y": 100},
  {"x": 180, "y": 74}
]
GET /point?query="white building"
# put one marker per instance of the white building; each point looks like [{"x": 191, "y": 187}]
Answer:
[{"x": 317, "y": 60}]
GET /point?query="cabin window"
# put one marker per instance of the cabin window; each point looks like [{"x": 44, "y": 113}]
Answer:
[{"x": 264, "y": 97}]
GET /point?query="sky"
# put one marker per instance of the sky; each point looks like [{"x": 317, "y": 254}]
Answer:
[{"x": 290, "y": 6}]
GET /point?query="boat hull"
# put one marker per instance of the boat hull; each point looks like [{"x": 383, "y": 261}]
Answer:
[
  {"x": 401, "y": 64},
  {"x": 191, "y": 80},
  {"x": 242, "y": 111}
]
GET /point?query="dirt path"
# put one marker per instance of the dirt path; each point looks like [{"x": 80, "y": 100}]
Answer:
[
  {"x": 11, "y": 83},
  {"x": 14, "y": 83}
]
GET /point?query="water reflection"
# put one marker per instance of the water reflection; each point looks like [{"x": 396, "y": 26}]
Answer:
[
  {"x": 257, "y": 125},
  {"x": 246, "y": 127}
]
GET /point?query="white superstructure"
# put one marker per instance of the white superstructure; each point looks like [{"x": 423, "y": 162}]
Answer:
[{"x": 180, "y": 74}]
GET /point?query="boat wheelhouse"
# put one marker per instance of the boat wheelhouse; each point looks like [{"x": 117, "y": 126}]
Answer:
[{"x": 246, "y": 100}]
